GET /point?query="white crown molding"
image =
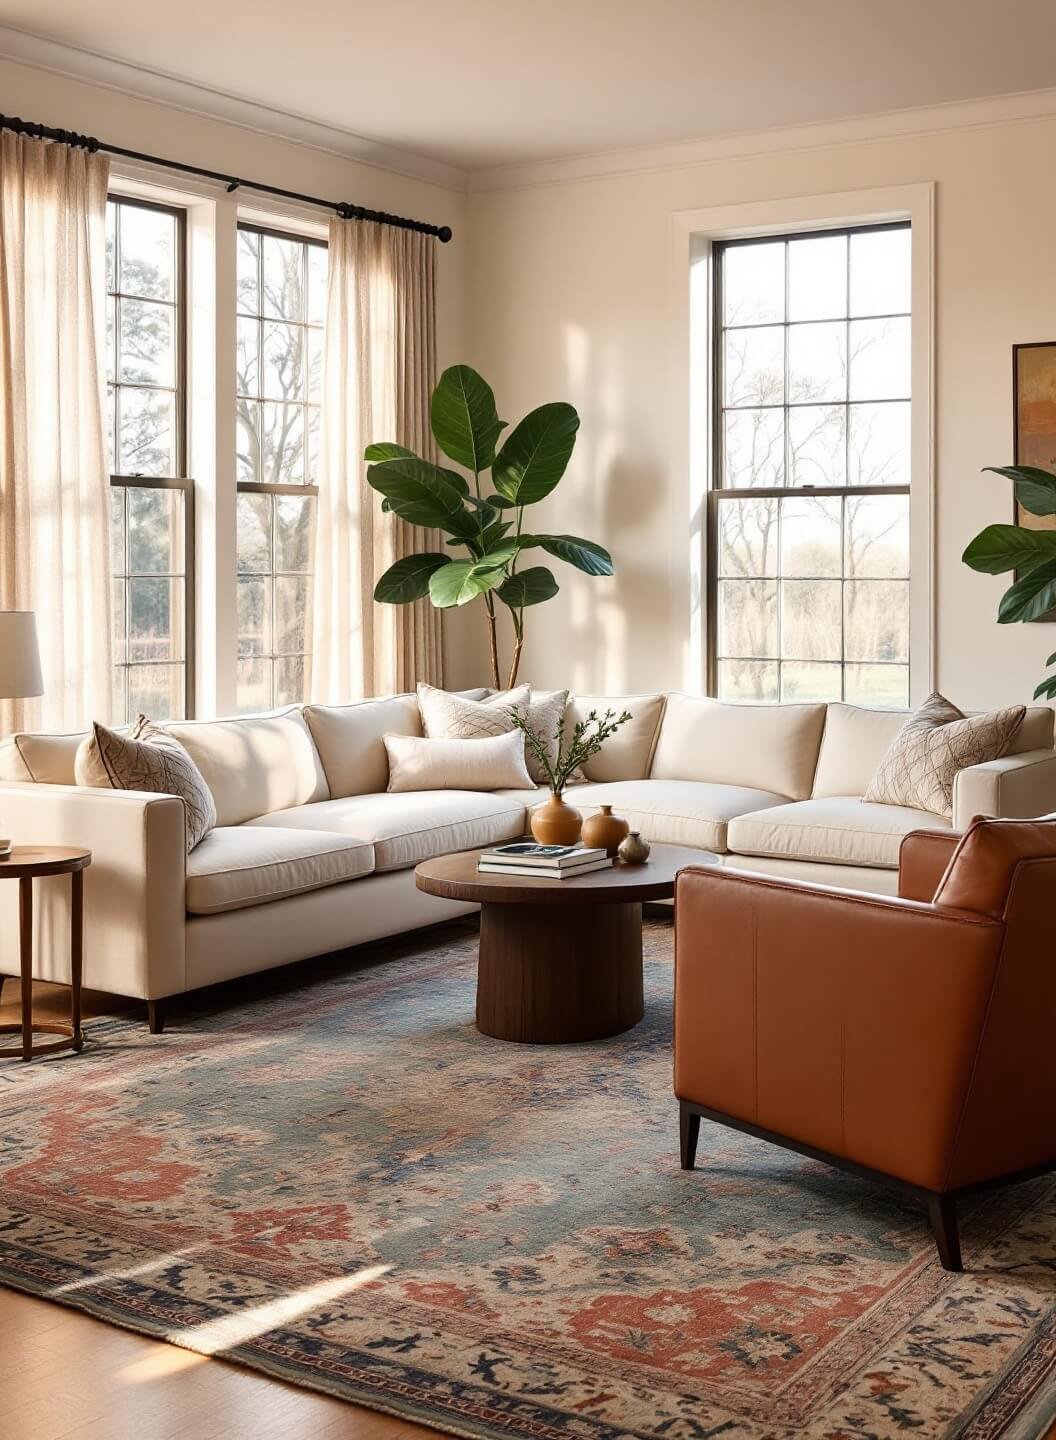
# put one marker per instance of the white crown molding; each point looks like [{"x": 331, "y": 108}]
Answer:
[
  {"x": 748, "y": 144},
  {"x": 144, "y": 83}
]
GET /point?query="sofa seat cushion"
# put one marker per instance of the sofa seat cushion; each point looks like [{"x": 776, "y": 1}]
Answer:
[
  {"x": 409, "y": 826},
  {"x": 675, "y": 812},
  {"x": 841, "y": 830},
  {"x": 237, "y": 865}
]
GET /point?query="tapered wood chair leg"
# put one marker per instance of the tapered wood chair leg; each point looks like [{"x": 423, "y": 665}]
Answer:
[
  {"x": 942, "y": 1212},
  {"x": 156, "y": 1016},
  {"x": 688, "y": 1133}
]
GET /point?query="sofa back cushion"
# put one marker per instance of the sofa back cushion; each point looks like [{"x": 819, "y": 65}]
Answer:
[
  {"x": 766, "y": 747},
  {"x": 47, "y": 759},
  {"x": 351, "y": 744},
  {"x": 256, "y": 763},
  {"x": 627, "y": 754},
  {"x": 1036, "y": 732},
  {"x": 856, "y": 738}
]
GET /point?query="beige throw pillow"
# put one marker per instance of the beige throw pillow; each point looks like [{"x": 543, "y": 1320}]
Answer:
[
  {"x": 450, "y": 717},
  {"x": 493, "y": 762},
  {"x": 147, "y": 758},
  {"x": 921, "y": 765}
]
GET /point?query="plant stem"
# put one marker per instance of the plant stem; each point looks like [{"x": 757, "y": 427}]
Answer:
[
  {"x": 493, "y": 637},
  {"x": 518, "y": 630}
]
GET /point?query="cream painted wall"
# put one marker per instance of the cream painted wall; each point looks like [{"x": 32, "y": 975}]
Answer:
[{"x": 571, "y": 298}]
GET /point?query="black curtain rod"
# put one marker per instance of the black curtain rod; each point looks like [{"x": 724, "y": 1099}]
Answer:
[{"x": 342, "y": 208}]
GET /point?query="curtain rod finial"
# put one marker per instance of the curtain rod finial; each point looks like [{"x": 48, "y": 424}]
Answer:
[{"x": 444, "y": 234}]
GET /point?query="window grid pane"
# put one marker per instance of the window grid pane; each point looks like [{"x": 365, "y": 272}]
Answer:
[
  {"x": 281, "y": 305},
  {"x": 810, "y": 512},
  {"x": 150, "y": 521}
]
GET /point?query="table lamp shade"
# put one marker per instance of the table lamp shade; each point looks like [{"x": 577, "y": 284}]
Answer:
[{"x": 20, "y": 675}]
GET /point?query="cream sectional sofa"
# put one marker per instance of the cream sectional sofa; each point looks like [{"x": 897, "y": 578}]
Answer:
[{"x": 311, "y": 854}]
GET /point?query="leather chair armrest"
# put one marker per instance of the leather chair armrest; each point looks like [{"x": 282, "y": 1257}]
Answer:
[
  {"x": 842, "y": 1020},
  {"x": 922, "y": 860},
  {"x": 1016, "y": 787}
]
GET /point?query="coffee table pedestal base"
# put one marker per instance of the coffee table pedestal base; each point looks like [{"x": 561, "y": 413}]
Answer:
[{"x": 559, "y": 975}]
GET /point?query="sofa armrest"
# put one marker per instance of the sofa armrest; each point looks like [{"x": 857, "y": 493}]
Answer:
[
  {"x": 845, "y": 1021},
  {"x": 134, "y": 902},
  {"x": 1016, "y": 787},
  {"x": 922, "y": 860}
]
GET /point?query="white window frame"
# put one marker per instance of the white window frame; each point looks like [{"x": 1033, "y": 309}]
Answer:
[
  {"x": 691, "y": 335},
  {"x": 213, "y": 215}
]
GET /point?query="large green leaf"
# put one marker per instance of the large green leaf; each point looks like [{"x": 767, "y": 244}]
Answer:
[
  {"x": 528, "y": 587},
  {"x": 408, "y": 579},
  {"x": 419, "y": 492},
  {"x": 1047, "y": 689},
  {"x": 585, "y": 555},
  {"x": 535, "y": 454},
  {"x": 460, "y": 581},
  {"x": 1035, "y": 489},
  {"x": 1009, "y": 547},
  {"x": 387, "y": 450},
  {"x": 464, "y": 419},
  {"x": 1031, "y": 596}
]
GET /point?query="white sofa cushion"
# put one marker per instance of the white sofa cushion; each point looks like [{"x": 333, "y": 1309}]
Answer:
[
  {"x": 626, "y": 755},
  {"x": 769, "y": 747},
  {"x": 255, "y": 763},
  {"x": 675, "y": 812},
  {"x": 492, "y": 762},
  {"x": 841, "y": 829},
  {"x": 45, "y": 759},
  {"x": 856, "y": 738},
  {"x": 351, "y": 744},
  {"x": 406, "y": 828},
  {"x": 240, "y": 865}
]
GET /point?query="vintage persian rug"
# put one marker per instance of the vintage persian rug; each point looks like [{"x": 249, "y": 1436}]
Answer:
[{"x": 340, "y": 1182}]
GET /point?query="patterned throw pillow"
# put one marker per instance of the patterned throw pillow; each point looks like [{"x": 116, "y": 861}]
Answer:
[
  {"x": 147, "y": 758},
  {"x": 922, "y": 761},
  {"x": 449, "y": 717}
]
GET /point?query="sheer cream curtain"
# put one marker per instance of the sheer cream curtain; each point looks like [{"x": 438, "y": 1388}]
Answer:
[
  {"x": 379, "y": 369},
  {"x": 54, "y": 481}
]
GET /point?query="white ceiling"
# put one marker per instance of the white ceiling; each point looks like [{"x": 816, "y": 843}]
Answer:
[{"x": 480, "y": 83}]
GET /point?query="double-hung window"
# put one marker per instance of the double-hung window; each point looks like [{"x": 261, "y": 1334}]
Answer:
[
  {"x": 808, "y": 534},
  {"x": 281, "y": 307},
  {"x": 151, "y": 495}
]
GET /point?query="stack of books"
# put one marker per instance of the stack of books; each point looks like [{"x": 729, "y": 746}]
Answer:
[{"x": 546, "y": 862}]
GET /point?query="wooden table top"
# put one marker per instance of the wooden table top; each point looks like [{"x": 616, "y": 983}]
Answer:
[
  {"x": 42, "y": 860},
  {"x": 456, "y": 877}
]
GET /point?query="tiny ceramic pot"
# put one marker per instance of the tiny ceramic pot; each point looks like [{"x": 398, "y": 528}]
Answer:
[
  {"x": 556, "y": 823},
  {"x": 634, "y": 850},
  {"x": 605, "y": 831}
]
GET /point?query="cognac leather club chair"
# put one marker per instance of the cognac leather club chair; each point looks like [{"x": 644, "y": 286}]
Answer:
[{"x": 908, "y": 1039}]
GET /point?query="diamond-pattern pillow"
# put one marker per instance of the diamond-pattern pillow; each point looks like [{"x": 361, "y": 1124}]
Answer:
[
  {"x": 148, "y": 758},
  {"x": 922, "y": 761},
  {"x": 450, "y": 717}
]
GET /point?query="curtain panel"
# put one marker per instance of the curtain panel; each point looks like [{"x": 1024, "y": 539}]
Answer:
[
  {"x": 379, "y": 370},
  {"x": 54, "y": 476}
]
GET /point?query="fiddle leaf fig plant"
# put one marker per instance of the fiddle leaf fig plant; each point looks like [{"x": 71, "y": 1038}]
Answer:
[
  {"x": 485, "y": 525},
  {"x": 1030, "y": 553}
]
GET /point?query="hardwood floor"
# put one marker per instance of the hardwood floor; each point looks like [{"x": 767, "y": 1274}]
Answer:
[{"x": 66, "y": 1376}]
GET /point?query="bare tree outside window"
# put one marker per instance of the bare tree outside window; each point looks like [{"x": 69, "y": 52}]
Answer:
[
  {"x": 809, "y": 510},
  {"x": 151, "y": 496},
  {"x": 281, "y": 308}
]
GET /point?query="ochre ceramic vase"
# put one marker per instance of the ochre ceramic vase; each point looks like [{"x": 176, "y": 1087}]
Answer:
[
  {"x": 605, "y": 831},
  {"x": 556, "y": 823},
  {"x": 634, "y": 850}
]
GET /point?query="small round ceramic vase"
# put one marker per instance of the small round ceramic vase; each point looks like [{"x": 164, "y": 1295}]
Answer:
[
  {"x": 605, "y": 831},
  {"x": 556, "y": 823},
  {"x": 634, "y": 850}
]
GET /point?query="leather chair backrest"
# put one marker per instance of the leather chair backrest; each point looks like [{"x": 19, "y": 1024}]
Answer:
[{"x": 980, "y": 874}]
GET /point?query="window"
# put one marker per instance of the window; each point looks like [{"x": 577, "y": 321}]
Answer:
[
  {"x": 150, "y": 494},
  {"x": 281, "y": 307},
  {"x": 808, "y": 522}
]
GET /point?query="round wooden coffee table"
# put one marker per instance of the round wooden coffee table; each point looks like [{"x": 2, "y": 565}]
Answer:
[{"x": 560, "y": 960}]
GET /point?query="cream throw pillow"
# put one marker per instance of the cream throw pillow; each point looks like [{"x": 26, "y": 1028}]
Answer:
[
  {"x": 921, "y": 765},
  {"x": 450, "y": 717},
  {"x": 494, "y": 762},
  {"x": 147, "y": 758}
]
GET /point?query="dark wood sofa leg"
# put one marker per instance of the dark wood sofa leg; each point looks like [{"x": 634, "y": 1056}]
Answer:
[
  {"x": 156, "y": 1016},
  {"x": 688, "y": 1131},
  {"x": 942, "y": 1212}
]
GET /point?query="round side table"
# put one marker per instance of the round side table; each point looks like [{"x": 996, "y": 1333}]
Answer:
[{"x": 24, "y": 864}]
